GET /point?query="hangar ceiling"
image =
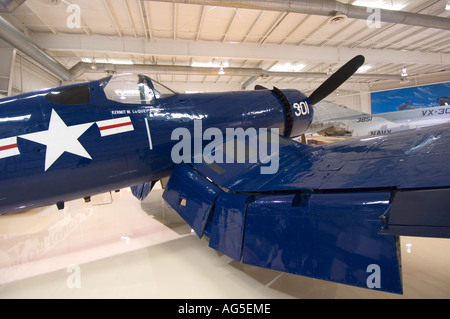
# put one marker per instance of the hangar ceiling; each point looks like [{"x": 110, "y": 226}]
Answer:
[{"x": 186, "y": 44}]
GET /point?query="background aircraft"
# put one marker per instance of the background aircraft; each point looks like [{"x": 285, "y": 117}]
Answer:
[
  {"x": 405, "y": 106},
  {"x": 332, "y": 212},
  {"x": 334, "y": 120},
  {"x": 444, "y": 100}
]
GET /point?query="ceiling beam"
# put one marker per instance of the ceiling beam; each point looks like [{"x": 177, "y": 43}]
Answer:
[
  {"x": 112, "y": 16},
  {"x": 424, "y": 79},
  {"x": 329, "y": 8},
  {"x": 82, "y": 67},
  {"x": 38, "y": 13},
  {"x": 185, "y": 48},
  {"x": 143, "y": 16}
]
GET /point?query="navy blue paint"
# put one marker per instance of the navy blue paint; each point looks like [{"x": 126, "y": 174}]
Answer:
[
  {"x": 142, "y": 190},
  {"x": 330, "y": 211},
  {"x": 332, "y": 237},
  {"x": 118, "y": 160},
  {"x": 326, "y": 213},
  {"x": 406, "y": 160},
  {"x": 228, "y": 224},
  {"x": 200, "y": 196}
]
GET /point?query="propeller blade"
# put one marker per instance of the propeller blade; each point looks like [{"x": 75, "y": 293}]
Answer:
[
  {"x": 260, "y": 87},
  {"x": 336, "y": 79}
]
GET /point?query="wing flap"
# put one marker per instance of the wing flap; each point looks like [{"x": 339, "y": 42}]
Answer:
[
  {"x": 192, "y": 196},
  {"x": 419, "y": 213},
  {"x": 228, "y": 224},
  {"x": 329, "y": 236},
  {"x": 332, "y": 212},
  {"x": 332, "y": 237}
]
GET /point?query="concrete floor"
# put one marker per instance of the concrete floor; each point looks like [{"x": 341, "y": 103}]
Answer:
[{"x": 118, "y": 247}]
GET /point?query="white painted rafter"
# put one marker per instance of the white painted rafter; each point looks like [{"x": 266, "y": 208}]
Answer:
[{"x": 131, "y": 45}]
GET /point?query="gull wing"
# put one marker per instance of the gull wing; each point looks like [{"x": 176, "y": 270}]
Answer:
[{"x": 333, "y": 212}]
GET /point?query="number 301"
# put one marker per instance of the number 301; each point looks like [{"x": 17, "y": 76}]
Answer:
[{"x": 302, "y": 108}]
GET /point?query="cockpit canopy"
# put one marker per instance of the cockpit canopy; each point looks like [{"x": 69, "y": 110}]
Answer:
[{"x": 134, "y": 89}]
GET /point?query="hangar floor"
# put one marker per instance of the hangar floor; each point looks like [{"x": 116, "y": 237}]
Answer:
[{"x": 118, "y": 247}]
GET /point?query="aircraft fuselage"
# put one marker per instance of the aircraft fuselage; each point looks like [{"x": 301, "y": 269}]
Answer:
[{"x": 54, "y": 149}]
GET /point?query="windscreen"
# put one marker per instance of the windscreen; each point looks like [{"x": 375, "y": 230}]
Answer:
[{"x": 135, "y": 89}]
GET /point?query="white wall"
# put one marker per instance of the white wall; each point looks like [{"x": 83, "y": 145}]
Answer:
[
  {"x": 27, "y": 76},
  {"x": 7, "y": 56},
  {"x": 21, "y": 73}
]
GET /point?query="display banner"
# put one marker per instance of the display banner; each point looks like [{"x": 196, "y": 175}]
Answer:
[{"x": 411, "y": 98}]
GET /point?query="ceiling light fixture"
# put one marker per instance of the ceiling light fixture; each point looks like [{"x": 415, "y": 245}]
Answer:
[
  {"x": 338, "y": 18},
  {"x": 209, "y": 64},
  {"x": 364, "y": 68},
  {"x": 387, "y": 5},
  {"x": 404, "y": 75},
  {"x": 110, "y": 61},
  {"x": 404, "y": 72},
  {"x": 287, "y": 67},
  {"x": 221, "y": 71},
  {"x": 330, "y": 71}
]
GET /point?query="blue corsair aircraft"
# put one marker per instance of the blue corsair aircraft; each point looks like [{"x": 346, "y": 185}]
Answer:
[{"x": 333, "y": 212}]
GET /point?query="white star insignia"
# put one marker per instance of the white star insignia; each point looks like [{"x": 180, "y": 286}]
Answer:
[{"x": 60, "y": 138}]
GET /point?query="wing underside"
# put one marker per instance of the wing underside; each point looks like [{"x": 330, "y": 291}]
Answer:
[{"x": 333, "y": 212}]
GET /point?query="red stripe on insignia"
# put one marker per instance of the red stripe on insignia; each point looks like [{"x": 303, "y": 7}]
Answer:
[
  {"x": 7, "y": 147},
  {"x": 114, "y": 126}
]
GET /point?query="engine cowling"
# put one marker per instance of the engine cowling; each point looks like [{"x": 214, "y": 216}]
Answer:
[{"x": 298, "y": 111}]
